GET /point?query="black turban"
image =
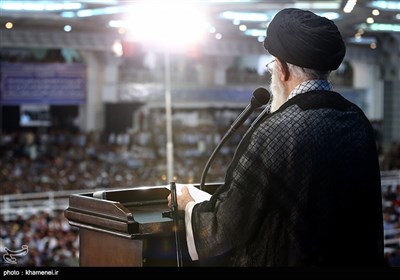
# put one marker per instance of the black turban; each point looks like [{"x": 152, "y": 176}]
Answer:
[{"x": 305, "y": 39}]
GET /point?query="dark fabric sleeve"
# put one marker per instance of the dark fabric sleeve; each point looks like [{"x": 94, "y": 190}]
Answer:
[{"x": 221, "y": 224}]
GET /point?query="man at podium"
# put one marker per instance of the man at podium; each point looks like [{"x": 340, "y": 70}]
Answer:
[{"x": 303, "y": 188}]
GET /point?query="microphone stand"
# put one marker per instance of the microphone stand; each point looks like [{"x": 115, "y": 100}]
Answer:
[
  {"x": 260, "y": 97},
  {"x": 175, "y": 217},
  {"x": 211, "y": 158}
]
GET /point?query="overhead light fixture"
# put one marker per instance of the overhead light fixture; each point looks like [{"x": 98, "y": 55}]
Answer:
[
  {"x": 100, "y": 11},
  {"x": 385, "y": 5},
  {"x": 362, "y": 40},
  {"x": 244, "y": 16},
  {"x": 38, "y": 6},
  {"x": 380, "y": 27},
  {"x": 385, "y": 27},
  {"x": 370, "y": 20},
  {"x": 375, "y": 12},
  {"x": 255, "y": 32},
  {"x": 67, "y": 28},
  {"x": 96, "y": 12},
  {"x": 330, "y": 15},
  {"x": 170, "y": 24},
  {"x": 348, "y": 8},
  {"x": 318, "y": 5}
]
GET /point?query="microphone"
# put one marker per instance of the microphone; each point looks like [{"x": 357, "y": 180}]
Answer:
[{"x": 260, "y": 97}]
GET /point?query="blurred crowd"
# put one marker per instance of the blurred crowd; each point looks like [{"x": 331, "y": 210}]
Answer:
[
  {"x": 62, "y": 160},
  {"x": 391, "y": 224},
  {"x": 48, "y": 238}
]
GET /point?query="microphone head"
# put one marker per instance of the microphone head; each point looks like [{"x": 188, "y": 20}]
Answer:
[{"x": 260, "y": 97}]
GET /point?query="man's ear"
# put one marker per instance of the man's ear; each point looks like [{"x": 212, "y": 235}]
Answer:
[{"x": 284, "y": 70}]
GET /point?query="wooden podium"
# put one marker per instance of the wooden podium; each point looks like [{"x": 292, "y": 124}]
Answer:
[{"x": 126, "y": 227}]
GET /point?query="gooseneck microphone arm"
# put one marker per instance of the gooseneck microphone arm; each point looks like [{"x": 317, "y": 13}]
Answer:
[{"x": 260, "y": 97}]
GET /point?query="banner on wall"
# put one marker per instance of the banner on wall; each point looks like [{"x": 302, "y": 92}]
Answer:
[{"x": 44, "y": 83}]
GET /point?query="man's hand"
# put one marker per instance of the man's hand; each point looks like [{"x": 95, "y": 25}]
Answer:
[{"x": 182, "y": 200}]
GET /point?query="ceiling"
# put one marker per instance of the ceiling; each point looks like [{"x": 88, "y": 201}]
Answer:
[{"x": 94, "y": 16}]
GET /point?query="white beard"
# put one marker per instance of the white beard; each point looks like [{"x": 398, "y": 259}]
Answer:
[{"x": 278, "y": 91}]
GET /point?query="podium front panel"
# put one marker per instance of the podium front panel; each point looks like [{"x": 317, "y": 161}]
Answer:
[{"x": 104, "y": 249}]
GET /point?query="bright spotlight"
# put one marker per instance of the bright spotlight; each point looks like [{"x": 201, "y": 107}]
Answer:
[{"x": 174, "y": 23}]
